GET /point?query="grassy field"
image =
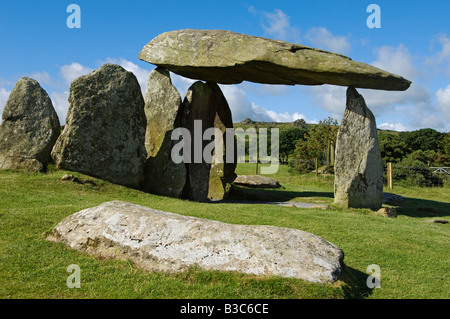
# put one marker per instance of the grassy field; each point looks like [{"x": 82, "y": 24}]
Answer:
[{"x": 413, "y": 254}]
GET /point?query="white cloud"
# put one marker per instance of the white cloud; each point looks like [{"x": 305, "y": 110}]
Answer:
[
  {"x": 72, "y": 71},
  {"x": 42, "y": 78},
  {"x": 442, "y": 58},
  {"x": 241, "y": 108},
  {"x": 61, "y": 104},
  {"x": 396, "y": 60},
  {"x": 4, "y": 94},
  {"x": 265, "y": 89},
  {"x": 399, "y": 127},
  {"x": 414, "y": 105},
  {"x": 323, "y": 39},
  {"x": 181, "y": 83},
  {"x": 277, "y": 24},
  {"x": 443, "y": 100},
  {"x": 330, "y": 98},
  {"x": 285, "y": 117}
]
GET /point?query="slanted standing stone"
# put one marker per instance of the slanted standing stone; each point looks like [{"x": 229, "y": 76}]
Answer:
[
  {"x": 29, "y": 129},
  {"x": 205, "y": 107},
  {"x": 358, "y": 165},
  {"x": 105, "y": 127},
  {"x": 162, "y": 109}
]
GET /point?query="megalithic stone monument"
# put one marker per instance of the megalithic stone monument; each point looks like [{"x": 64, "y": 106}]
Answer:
[
  {"x": 358, "y": 165},
  {"x": 227, "y": 57}
]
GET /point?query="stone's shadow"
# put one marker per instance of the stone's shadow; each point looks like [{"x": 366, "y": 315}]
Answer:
[
  {"x": 355, "y": 283},
  {"x": 415, "y": 207},
  {"x": 271, "y": 195}
]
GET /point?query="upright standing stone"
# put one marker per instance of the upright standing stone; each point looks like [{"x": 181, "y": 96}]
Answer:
[
  {"x": 105, "y": 127},
  {"x": 222, "y": 172},
  {"x": 29, "y": 129},
  {"x": 358, "y": 165},
  {"x": 162, "y": 109},
  {"x": 205, "y": 107}
]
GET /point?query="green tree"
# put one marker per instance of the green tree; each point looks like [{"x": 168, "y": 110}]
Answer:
[
  {"x": 288, "y": 140},
  {"x": 392, "y": 148},
  {"x": 319, "y": 143},
  {"x": 424, "y": 139},
  {"x": 300, "y": 123},
  {"x": 446, "y": 144}
]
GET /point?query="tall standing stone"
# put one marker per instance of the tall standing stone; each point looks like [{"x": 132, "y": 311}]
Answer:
[
  {"x": 358, "y": 164},
  {"x": 104, "y": 134},
  {"x": 222, "y": 172},
  {"x": 162, "y": 109},
  {"x": 205, "y": 107},
  {"x": 29, "y": 129}
]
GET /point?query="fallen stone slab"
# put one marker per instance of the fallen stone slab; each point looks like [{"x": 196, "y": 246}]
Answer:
[
  {"x": 162, "y": 241},
  {"x": 229, "y": 58},
  {"x": 256, "y": 181},
  {"x": 392, "y": 198}
]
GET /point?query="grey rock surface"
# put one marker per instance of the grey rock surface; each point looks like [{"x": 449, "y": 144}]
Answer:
[
  {"x": 392, "y": 198},
  {"x": 207, "y": 180},
  {"x": 256, "y": 181},
  {"x": 104, "y": 135},
  {"x": 162, "y": 241},
  {"x": 163, "y": 110},
  {"x": 227, "y": 57},
  {"x": 358, "y": 165},
  {"x": 29, "y": 128}
]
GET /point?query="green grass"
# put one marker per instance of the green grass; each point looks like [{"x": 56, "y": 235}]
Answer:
[{"x": 413, "y": 254}]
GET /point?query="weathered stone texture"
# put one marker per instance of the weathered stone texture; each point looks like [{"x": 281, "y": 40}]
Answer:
[
  {"x": 227, "y": 57},
  {"x": 162, "y": 109},
  {"x": 207, "y": 179},
  {"x": 358, "y": 164},
  {"x": 105, "y": 127},
  {"x": 161, "y": 241},
  {"x": 29, "y": 128}
]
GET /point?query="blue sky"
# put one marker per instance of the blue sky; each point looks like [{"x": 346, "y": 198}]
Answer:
[{"x": 413, "y": 41}]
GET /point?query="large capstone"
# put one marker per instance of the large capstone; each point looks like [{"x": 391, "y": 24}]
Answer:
[
  {"x": 206, "y": 116},
  {"x": 228, "y": 58},
  {"x": 162, "y": 109},
  {"x": 29, "y": 128},
  {"x": 105, "y": 127},
  {"x": 358, "y": 164},
  {"x": 162, "y": 241}
]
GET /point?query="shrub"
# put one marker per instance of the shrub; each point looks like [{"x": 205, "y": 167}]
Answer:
[{"x": 413, "y": 172}]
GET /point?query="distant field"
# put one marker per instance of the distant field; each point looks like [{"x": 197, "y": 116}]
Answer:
[{"x": 413, "y": 254}]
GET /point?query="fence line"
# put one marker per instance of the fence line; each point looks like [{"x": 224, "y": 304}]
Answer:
[{"x": 423, "y": 176}]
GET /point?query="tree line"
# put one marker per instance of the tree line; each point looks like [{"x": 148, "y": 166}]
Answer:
[{"x": 308, "y": 147}]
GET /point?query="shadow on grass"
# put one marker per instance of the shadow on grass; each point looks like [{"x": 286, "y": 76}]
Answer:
[
  {"x": 355, "y": 283},
  {"x": 271, "y": 195},
  {"x": 415, "y": 207}
]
